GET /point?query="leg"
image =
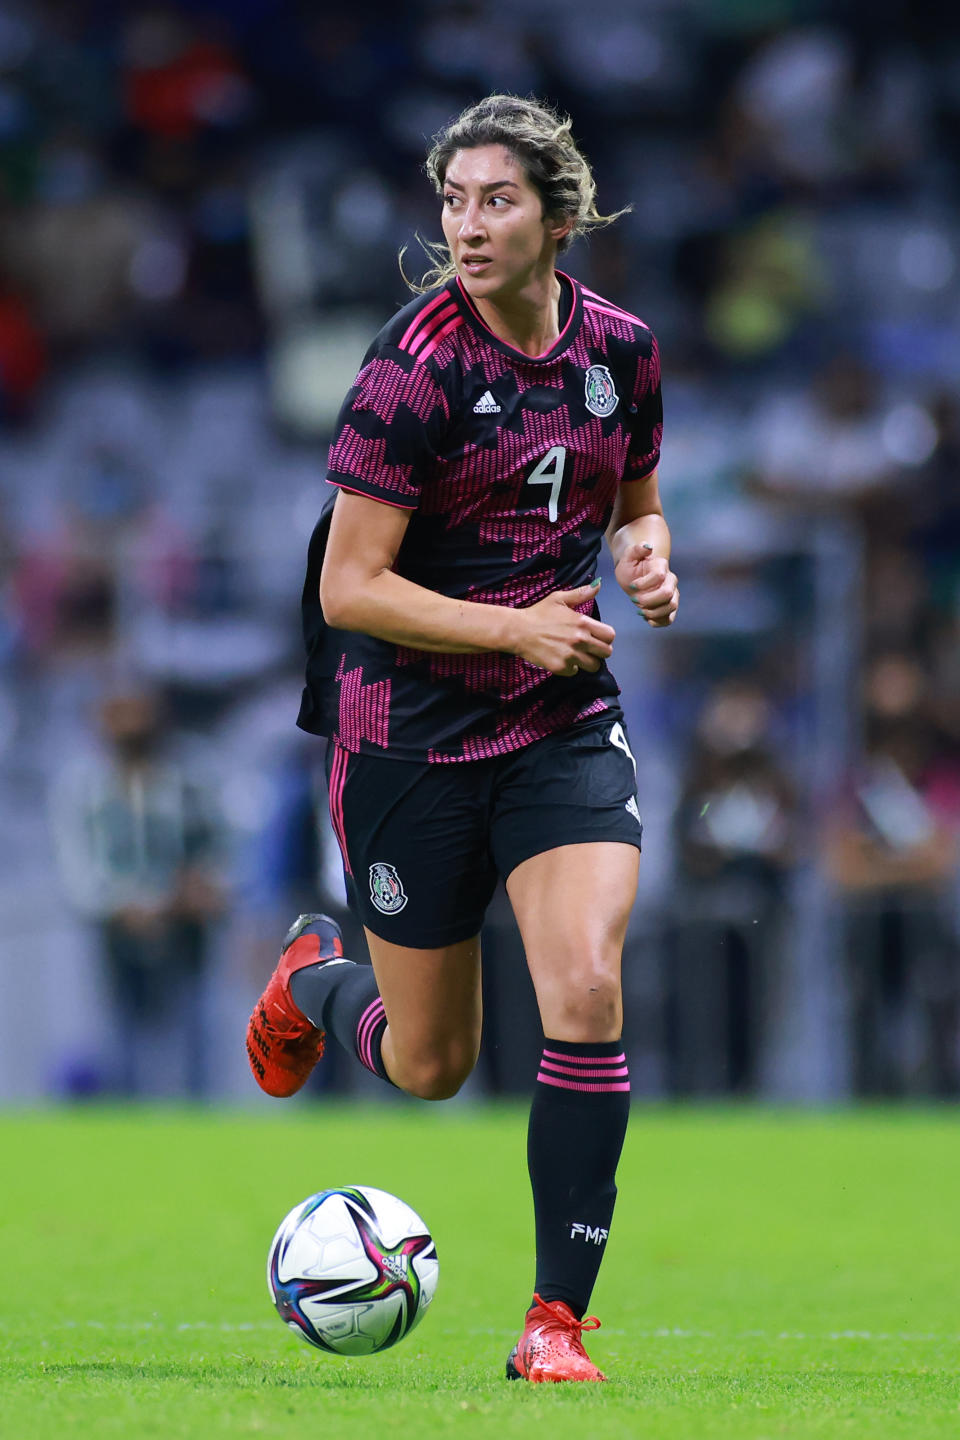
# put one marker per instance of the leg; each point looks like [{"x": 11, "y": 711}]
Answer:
[
  {"x": 413, "y": 1017},
  {"x": 125, "y": 978},
  {"x": 566, "y": 833},
  {"x": 413, "y": 839},
  {"x": 431, "y": 1000},
  {"x": 418, "y": 871},
  {"x": 572, "y": 905}
]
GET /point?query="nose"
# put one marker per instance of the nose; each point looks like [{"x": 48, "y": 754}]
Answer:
[{"x": 471, "y": 222}]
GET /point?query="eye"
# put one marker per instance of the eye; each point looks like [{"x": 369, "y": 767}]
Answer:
[
  {"x": 449, "y": 200},
  {"x": 499, "y": 200}
]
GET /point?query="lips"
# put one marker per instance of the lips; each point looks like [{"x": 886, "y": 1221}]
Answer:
[{"x": 475, "y": 264}]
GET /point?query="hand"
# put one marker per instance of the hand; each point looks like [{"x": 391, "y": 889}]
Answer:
[
  {"x": 554, "y": 635},
  {"x": 650, "y": 583}
]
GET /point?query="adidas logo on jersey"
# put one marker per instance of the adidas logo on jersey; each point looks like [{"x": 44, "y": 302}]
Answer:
[{"x": 486, "y": 405}]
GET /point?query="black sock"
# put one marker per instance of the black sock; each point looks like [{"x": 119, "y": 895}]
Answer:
[
  {"x": 577, "y": 1123},
  {"x": 342, "y": 998}
]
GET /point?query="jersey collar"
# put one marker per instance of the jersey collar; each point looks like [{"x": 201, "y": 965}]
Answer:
[{"x": 563, "y": 341}]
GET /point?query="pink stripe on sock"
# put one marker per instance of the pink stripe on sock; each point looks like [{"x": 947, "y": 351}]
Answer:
[
  {"x": 585, "y": 1059},
  {"x": 578, "y": 1073},
  {"x": 587, "y": 1088},
  {"x": 366, "y": 1030}
]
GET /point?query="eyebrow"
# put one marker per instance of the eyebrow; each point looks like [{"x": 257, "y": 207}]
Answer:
[{"x": 492, "y": 185}]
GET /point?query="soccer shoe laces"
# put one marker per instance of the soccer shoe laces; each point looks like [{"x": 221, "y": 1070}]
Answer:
[
  {"x": 561, "y": 1315},
  {"x": 294, "y": 1030}
]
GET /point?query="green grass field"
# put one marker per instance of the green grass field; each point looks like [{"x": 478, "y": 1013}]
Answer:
[{"x": 770, "y": 1274}]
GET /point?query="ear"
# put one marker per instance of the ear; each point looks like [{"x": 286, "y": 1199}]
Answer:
[{"x": 559, "y": 229}]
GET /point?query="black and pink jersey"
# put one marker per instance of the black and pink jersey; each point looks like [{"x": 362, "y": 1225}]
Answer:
[{"x": 509, "y": 467}]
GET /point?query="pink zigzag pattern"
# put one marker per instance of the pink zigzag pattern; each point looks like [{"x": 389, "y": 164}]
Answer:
[
  {"x": 513, "y": 735},
  {"x": 591, "y": 455},
  {"x": 364, "y": 709},
  {"x": 641, "y": 465},
  {"x": 383, "y": 386},
  {"x": 598, "y": 323},
  {"x": 516, "y": 591},
  {"x": 476, "y": 355},
  {"x": 353, "y": 454},
  {"x": 509, "y": 675},
  {"x": 536, "y": 537},
  {"x": 648, "y": 374}
]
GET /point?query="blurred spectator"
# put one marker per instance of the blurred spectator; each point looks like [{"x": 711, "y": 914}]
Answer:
[
  {"x": 138, "y": 843},
  {"x": 736, "y": 835},
  {"x": 767, "y": 286},
  {"x": 66, "y": 591},
  {"x": 180, "y": 75},
  {"x": 825, "y": 441},
  {"x": 892, "y": 852}
]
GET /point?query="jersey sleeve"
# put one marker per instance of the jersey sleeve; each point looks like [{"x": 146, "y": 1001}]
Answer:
[
  {"x": 646, "y": 408},
  {"x": 388, "y": 430}
]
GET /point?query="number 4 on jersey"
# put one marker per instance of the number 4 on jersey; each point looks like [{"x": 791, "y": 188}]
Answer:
[{"x": 550, "y": 472}]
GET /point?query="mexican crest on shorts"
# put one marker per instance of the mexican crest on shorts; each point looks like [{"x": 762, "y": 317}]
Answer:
[
  {"x": 386, "y": 888},
  {"x": 601, "y": 393}
]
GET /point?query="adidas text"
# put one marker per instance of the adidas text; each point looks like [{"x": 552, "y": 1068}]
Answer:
[{"x": 486, "y": 405}]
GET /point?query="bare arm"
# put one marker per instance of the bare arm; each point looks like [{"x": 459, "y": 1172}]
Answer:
[
  {"x": 639, "y": 541},
  {"x": 359, "y": 590},
  {"x": 856, "y": 862}
]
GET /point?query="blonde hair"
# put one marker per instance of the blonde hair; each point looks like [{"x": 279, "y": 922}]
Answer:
[{"x": 540, "y": 139}]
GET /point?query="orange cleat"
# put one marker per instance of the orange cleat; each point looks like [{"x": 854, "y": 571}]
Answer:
[
  {"x": 550, "y": 1347},
  {"x": 283, "y": 1045}
]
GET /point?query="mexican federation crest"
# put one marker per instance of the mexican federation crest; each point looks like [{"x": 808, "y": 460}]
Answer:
[
  {"x": 386, "y": 889},
  {"x": 601, "y": 395}
]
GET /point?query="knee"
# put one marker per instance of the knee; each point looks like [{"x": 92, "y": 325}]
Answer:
[
  {"x": 436, "y": 1077},
  {"x": 589, "y": 1006}
]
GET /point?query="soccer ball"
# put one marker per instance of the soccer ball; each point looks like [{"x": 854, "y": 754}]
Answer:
[{"x": 352, "y": 1270}]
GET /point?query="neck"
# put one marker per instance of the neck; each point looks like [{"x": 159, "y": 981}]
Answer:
[{"x": 530, "y": 321}]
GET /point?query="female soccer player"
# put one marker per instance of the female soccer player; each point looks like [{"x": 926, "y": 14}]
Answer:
[{"x": 503, "y": 422}]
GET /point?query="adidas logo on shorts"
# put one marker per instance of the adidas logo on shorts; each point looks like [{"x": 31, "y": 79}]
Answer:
[{"x": 486, "y": 405}]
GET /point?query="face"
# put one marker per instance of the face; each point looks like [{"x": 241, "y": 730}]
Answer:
[
  {"x": 493, "y": 222},
  {"x": 130, "y": 722}
]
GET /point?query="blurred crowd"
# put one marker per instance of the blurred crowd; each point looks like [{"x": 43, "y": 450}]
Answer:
[{"x": 202, "y": 206}]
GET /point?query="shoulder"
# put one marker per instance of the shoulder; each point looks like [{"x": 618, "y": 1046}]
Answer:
[
  {"x": 416, "y": 331},
  {"x": 611, "y": 319},
  {"x": 627, "y": 343}
]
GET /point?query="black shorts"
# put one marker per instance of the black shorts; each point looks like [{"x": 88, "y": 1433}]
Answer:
[{"x": 424, "y": 844}]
